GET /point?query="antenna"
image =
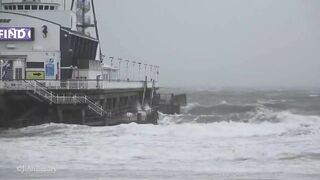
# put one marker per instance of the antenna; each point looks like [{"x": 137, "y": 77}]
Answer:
[
  {"x": 97, "y": 30},
  {"x": 84, "y": 21},
  {"x": 72, "y": 4}
]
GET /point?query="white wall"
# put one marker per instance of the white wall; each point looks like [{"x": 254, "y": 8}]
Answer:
[
  {"x": 64, "y": 18},
  {"x": 40, "y": 44},
  {"x": 40, "y": 50}
]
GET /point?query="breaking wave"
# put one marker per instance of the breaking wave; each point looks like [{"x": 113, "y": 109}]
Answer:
[
  {"x": 242, "y": 137},
  {"x": 220, "y": 109},
  {"x": 223, "y": 133},
  {"x": 44, "y": 130},
  {"x": 244, "y": 120},
  {"x": 223, "y": 120},
  {"x": 260, "y": 123}
]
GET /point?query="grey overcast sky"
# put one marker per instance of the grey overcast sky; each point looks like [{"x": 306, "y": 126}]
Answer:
[{"x": 249, "y": 43}]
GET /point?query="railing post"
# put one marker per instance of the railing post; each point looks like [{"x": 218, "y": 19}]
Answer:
[{"x": 35, "y": 87}]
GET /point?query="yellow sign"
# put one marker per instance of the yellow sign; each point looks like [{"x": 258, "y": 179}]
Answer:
[{"x": 35, "y": 75}]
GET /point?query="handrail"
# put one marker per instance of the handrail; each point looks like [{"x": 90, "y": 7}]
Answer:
[
  {"x": 74, "y": 84},
  {"x": 55, "y": 99}
]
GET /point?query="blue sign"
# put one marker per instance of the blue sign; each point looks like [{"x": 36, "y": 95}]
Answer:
[{"x": 50, "y": 70}]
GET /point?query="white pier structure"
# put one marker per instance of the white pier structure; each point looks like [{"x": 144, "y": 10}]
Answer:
[
  {"x": 20, "y": 85},
  {"x": 52, "y": 69},
  {"x": 43, "y": 41}
]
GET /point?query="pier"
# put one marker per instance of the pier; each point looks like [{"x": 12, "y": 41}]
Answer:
[
  {"x": 57, "y": 72},
  {"x": 78, "y": 102}
]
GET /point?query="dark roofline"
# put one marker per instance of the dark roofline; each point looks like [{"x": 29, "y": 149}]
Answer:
[
  {"x": 78, "y": 34},
  {"x": 29, "y": 3},
  {"x": 61, "y": 27},
  {"x": 31, "y": 17}
]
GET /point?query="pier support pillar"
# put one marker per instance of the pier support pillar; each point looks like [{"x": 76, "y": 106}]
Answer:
[
  {"x": 60, "y": 115},
  {"x": 51, "y": 115},
  {"x": 83, "y": 116},
  {"x": 105, "y": 104}
]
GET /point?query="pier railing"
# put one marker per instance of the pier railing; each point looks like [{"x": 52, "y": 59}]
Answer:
[
  {"x": 75, "y": 84},
  {"x": 43, "y": 92}
]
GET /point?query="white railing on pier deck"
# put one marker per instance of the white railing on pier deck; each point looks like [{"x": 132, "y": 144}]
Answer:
[
  {"x": 75, "y": 85},
  {"x": 42, "y": 91}
]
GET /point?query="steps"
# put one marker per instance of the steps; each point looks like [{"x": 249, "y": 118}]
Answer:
[{"x": 47, "y": 95}]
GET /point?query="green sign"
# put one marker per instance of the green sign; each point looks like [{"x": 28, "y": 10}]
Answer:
[{"x": 35, "y": 75}]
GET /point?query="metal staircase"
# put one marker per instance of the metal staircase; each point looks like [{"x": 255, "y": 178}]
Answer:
[{"x": 51, "y": 98}]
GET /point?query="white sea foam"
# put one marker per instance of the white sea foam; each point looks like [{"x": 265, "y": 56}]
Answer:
[
  {"x": 313, "y": 95},
  {"x": 231, "y": 140},
  {"x": 223, "y": 102},
  {"x": 289, "y": 145},
  {"x": 189, "y": 106}
]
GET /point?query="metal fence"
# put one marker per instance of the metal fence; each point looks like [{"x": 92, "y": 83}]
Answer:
[{"x": 73, "y": 85}]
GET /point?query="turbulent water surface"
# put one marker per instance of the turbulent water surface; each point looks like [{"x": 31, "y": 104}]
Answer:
[{"x": 220, "y": 135}]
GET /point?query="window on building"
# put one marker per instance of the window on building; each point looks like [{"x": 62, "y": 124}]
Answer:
[
  {"x": 14, "y": 7},
  {"x": 20, "y": 7},
  {"x": 34, "y": 7},
  {"x": 51, "y": 7},
  {"x": 35, "y": 64},
  {"x": 27, "y": 7},
  {"x": 40, "y": 7},
  {"x": 18, "y": 73},
  {"x": 10, "y": 7},
  {"x": 6, "y": 7},
  {"x": 46, "y": 7},
  {"x": 5, "y": 20}
]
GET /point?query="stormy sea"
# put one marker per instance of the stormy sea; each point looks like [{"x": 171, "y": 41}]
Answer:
[{"x": 221, "y": 134}]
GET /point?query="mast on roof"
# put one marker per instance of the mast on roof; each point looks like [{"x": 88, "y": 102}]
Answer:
[{"x": 83, "y": 8}]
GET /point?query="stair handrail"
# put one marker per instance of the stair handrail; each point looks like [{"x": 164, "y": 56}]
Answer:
[
  {"x": 38, "y": 88},
  {"x": 93, "y": 106}
]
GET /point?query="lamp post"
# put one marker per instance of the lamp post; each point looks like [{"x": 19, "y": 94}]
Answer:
[
  {"x": 119, "y": 59},
  {"x": 158, "y": 68},
  {"x": 111, "y": 61},
  {"x": 127, "y": 66},
  {"x": 139, "y": 77},
  {"x": 133, "y": 66},
  {"x": 1, "y": 63},
  {"x": 145, "y": 70},
  {"x": 151, "y": 77},
  {"x": 155, "y": 72}
]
